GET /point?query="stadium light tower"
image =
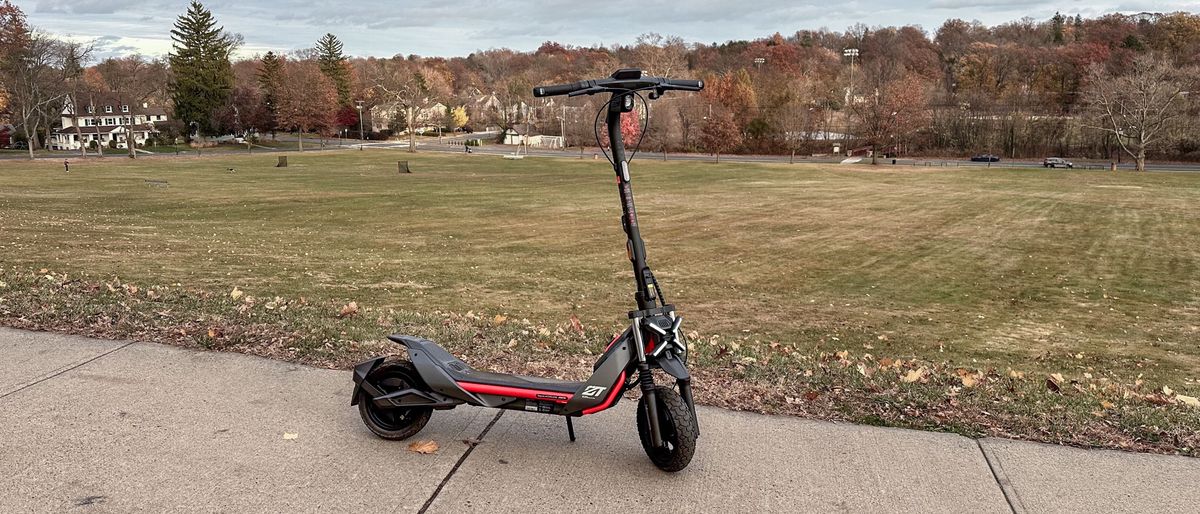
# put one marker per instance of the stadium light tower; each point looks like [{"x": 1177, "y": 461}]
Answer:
[{"x": 852, "y": 53}]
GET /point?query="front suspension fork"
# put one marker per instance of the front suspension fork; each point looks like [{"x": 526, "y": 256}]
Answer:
[{"x": 647, "y": 382}]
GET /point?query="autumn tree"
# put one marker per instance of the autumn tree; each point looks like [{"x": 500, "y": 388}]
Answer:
[
  {"x": 200, "y": 67},
  {"x": 891, "y": 112},
  {"x": 458, "y": 117},
  {"x": 307, "y": 98},
  {"x": 14, "y": 31},
  {"x": 1138, "y": 106},
  {"x": 720, "y": 133}
]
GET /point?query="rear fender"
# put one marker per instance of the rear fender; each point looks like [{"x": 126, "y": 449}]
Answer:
[{"x": 361, "y": 370}]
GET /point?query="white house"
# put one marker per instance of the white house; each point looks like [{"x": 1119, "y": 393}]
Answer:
[
  {"x": 382, "y": 116},
  {"x": 524, "y": 134},
  {"x": 104, "y": 119}
]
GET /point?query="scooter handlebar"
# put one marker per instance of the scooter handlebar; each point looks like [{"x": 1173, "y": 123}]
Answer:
[
  {"x": 561, "y": 89},
  {"x": 609, "y": 84}
]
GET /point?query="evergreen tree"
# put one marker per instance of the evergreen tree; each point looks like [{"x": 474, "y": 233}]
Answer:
[
  {"x": 333, "y": 65},
  {"x": 203, "y": 76},
  {"x": 1078, "y": 28},
  {"x": 1057, "y": 23},
  {"x": 269, "y": 74}
]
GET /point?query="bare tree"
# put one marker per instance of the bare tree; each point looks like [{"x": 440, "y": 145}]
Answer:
[
  {"x": 1138, "y": 106},
  {"x": 35, "y": 81},
  {"x": 411, "y": 85},
  {"x": 77, "y": 55},
  {"x": 133, "y": 80},
  {"x": 662, "y": 56}
]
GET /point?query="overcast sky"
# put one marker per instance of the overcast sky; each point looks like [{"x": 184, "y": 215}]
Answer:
[{"x": 457, "y": 28}]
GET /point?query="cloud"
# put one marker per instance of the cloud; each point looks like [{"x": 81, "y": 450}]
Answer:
[
  {"x": 463, "y": 26},
  {"x": 80, "y": 7}
]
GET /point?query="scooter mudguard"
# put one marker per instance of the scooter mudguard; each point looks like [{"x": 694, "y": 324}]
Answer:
[
  {"x": 673, "y": 366},
  {"x": 361, "y": 370}
]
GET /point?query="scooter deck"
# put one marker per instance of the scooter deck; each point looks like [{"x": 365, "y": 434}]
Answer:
[{"x": 462, "y": 373}]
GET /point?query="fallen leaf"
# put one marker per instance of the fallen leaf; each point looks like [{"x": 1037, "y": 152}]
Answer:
[
  {"x": 885, "y": 363},
  {"x": 349, "y": 309},
  {"x": 1106, "y": 404},
  {"x": 236, "y": 293},
  {"x": 1167, "y": 391},
  {"x": 1054, "y": 382},
  {"x": 913, "y": 375},
  {"x": 1012, "y": 373},
  {"x": 811, "y": 395},
  {"x": 1190, "y": 401},
  {"x": 43, "y": 271},
  {"x": 969, "y": 380},
  {"x": 575, "y": 324},
  {"x": 290, "y": 436},
  {"x": 424, "y": 447},
  {"x": 499, "y": 320}
]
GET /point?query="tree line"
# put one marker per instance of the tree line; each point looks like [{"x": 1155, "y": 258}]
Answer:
[{"x": 1111, "y": 87}]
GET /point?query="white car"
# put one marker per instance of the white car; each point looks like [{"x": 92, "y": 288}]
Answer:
[{"x": 1057, "y": 162}]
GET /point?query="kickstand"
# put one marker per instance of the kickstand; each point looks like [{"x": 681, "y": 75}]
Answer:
[{"x": 570, "y": 429}]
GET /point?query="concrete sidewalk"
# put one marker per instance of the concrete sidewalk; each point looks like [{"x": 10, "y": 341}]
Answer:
[{"x": 107, "y": 426}]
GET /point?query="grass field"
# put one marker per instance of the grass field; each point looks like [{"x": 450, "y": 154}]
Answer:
[{"x": 1032, "y": 272}]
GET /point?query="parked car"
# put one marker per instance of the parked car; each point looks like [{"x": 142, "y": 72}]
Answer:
[
  {"x": 987, "y": 157},
  {"x": 1057, "y": 162}
]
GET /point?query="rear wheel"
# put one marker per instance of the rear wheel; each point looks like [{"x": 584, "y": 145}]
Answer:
[
  {"x": 394, "y": 423},
  {"x": 677, "y": 427}
]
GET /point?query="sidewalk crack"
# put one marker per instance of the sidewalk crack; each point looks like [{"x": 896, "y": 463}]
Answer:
[
  {"x": 60, "y": 371},
  {"x": 1006, "y": 488},
  {"x": 461, "y": 459}
]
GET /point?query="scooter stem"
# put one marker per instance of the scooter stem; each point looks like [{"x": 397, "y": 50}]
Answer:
[{"x": 617, "y": 104}]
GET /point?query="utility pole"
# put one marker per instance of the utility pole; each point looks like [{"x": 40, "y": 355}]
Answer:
[{"x": 562, "y": 120}]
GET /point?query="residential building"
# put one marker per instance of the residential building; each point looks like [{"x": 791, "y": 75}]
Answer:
[
  {"x": 383, "y": 116},
  {"x": 105, "y": 119},
  {"x": 525, "y": 134}
]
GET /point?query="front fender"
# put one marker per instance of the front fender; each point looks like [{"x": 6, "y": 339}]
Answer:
[{"x": 671, "y": 364}]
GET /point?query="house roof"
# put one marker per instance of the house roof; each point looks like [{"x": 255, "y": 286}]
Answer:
[
  {"x": 523, "y": 129},
  {"x": 101, "y": 100}
]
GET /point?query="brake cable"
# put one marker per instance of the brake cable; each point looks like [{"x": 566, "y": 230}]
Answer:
[{"x": 642, "y": 133}]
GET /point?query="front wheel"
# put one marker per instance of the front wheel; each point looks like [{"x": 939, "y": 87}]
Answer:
[
  {"x": 677, "y": 427},
  {"x": 394, "y": 423}
]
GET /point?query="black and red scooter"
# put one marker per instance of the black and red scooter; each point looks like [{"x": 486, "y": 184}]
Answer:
[{"x": 397, "y": 397}]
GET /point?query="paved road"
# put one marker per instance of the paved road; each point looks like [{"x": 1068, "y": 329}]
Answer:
[
  {"x": 113, "y": 426},
  {"x": 452, "y": 144}
]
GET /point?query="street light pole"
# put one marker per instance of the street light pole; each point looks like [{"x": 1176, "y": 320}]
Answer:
[
  {"x": 359, "y": 105},
  {"x": 851, "y": 53}
]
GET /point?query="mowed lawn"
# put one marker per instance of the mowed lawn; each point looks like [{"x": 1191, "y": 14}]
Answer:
[{"x": 1036, "y": 269}]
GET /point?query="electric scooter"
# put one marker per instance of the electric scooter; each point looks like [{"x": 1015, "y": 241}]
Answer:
[{"x": 396, "y": 398}]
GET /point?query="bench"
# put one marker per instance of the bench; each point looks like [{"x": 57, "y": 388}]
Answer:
[{"x": 155, "y": 182}]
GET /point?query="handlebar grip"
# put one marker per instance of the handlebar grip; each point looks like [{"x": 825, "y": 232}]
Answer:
[
  {"x": 687, "y": 85},
  {"x": 560, "y": 89}
]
